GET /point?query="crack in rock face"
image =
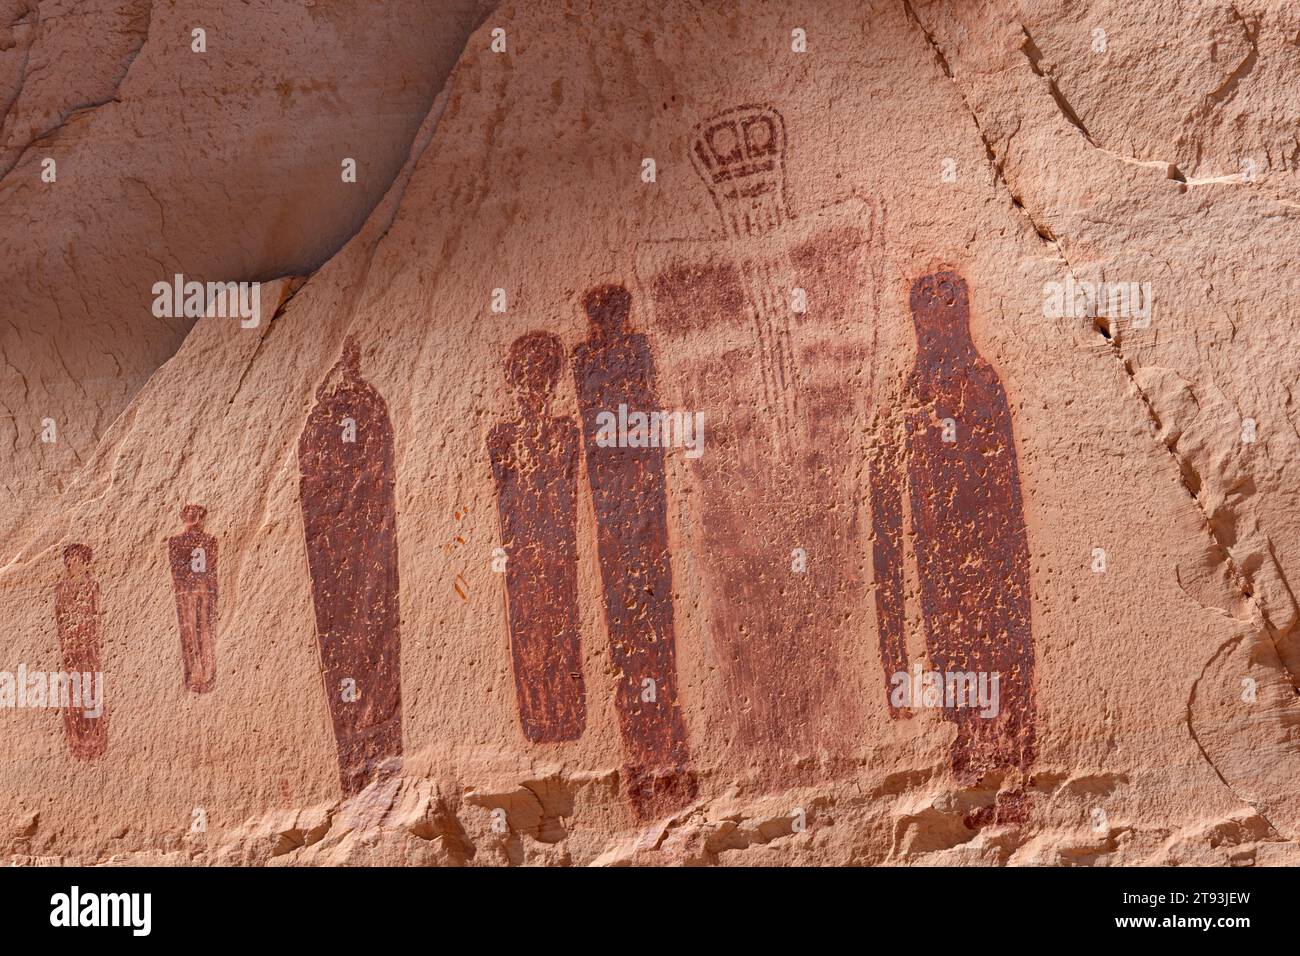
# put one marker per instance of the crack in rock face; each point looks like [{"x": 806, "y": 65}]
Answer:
[{"x": 649, "y": 434}]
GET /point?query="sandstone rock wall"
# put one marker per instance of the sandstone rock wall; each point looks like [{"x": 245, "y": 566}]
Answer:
[{"x": 1108, "y": 523}]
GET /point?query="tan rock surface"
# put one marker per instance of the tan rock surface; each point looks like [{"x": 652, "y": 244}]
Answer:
[
  {"x": 221, "y": 165},
  {"x": 973, "y": 139}
]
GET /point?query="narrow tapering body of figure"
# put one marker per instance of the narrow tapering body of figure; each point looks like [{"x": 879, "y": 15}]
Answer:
[
  {"x": 346, "y": 486},
  {"x": 192, "y": 555},
  {"x": 955, "y": 452},
  {"x": 613, "y": 368},
  {"x": 534, "y": 468},
  {"x": 77, "y": 612}
]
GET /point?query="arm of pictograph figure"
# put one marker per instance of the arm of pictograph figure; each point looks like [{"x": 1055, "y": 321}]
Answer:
[{"x": 887, "y": 482}]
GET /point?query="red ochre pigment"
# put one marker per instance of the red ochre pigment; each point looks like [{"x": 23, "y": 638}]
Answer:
[
  {"x": 534, "y": 467},
  {"x": 346, "y": 485},
  {"x": 192, "y": 555},
  {"x": 77, "y": 613},
  {"x": 972, "y": 552},
  {"x": 615, "y": 367},
  {"x": 774, "y": 517}
]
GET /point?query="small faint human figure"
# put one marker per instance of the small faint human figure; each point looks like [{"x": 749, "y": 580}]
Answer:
[
  {"x": 193, "y": 558},
  {"x": 77, "y": 610}
]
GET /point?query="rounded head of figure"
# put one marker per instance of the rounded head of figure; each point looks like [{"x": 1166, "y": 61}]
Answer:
[
  {"x": 193, "y": 516},
  {"x": 608, "y": 307},
  {"x": 533, "y": 368},
  {"x": 940, "y": 309},
  {"x": 77, "y": 557}
]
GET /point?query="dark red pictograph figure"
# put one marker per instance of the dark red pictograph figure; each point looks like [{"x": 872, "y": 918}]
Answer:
[
  {"x": 615, "y": 367},
  {"x": 346, "y": 486},
  {"x": 768, "y": 333},
  {"x": 77, "y": 612},
  {"x": 958, "y": 458},
  {"x": 534, "y": 466},
  {"x": 192, "y": 555}
]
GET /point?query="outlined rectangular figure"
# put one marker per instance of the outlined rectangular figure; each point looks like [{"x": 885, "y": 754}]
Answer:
[
  {"x": 78, "y": 614},
  {"x": 769, "y": 332}
]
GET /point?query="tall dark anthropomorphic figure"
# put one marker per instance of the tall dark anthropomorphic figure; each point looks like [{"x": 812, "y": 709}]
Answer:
[
  {"x": 957, "y": 455},
  {"x": 614, "y": 367},
  {"x": 346, "y": 485},
  {"x": 535, "y": 470}
]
